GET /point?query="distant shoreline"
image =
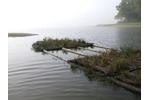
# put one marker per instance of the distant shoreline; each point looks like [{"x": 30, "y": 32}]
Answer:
[
  {"x": 120, "y": 25},
  {"x": 20, "y": 34}
]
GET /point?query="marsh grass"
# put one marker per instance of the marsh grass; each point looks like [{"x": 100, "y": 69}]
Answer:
[
  {"x": 119, "y": 62},
  {"x": 57, "y": 44},
  {"x": 116, "y": 60}
]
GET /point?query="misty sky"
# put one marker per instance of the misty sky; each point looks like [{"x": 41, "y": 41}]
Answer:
[{"x": 24, "y": 14}]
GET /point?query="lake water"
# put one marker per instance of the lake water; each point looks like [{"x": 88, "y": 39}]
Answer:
[{"x": 35, "y": 76}]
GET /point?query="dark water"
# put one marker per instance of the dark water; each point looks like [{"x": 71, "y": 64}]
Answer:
[{"x": 34, "y": 76}]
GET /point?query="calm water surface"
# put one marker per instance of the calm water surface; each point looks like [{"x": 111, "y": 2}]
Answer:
[{"x": 35, "y": 76}]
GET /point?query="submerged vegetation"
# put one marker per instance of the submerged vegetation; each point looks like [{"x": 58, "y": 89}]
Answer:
[
  {"x": 56, "y": 44},
  {"x": 124, "y": 66}
]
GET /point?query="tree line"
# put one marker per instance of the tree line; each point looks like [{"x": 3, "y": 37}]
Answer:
[{"x": 129, "y": 11}]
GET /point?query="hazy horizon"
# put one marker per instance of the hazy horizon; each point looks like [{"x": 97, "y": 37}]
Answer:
[{"x": 29, "y": 14}]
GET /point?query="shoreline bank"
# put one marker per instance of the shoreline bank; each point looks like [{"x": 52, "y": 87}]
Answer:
[
  {"x": 120, "y": 25},
  {"x": 20, "y": 34}
]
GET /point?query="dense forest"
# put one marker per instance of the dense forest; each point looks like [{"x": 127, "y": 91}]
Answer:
[{"x": 129, "y": 11}]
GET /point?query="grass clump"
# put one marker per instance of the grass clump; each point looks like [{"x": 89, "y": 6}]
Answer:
[
  {"x": 115, "y": 63},
  {"x": 124, "y": 58},
  {"x": 57, "y": 44},
  {"x": 118, "y": 64}
]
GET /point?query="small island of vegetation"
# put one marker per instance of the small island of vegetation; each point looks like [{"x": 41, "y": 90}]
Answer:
[
  {"x": 121, "y": 67},
  {"x": 50, "y": 44}
]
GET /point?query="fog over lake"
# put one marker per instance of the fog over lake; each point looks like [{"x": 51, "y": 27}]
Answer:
[{"x": 29, "y": 14}]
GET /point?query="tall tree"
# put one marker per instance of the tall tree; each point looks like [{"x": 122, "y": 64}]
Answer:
[{"x": 129, "y": 11}]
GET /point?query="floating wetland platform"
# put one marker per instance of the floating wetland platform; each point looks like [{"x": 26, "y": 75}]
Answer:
[{"x": 121, "y": 67}]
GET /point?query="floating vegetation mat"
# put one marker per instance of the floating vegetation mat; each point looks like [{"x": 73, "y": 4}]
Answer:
[
  {"x": 50, "y": 44},
  {"x": 123, "y": 67}
]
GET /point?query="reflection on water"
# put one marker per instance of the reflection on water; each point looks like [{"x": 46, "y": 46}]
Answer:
[
  {"x": 34, "y": 76},
  {"x": 129, "y": 37}
]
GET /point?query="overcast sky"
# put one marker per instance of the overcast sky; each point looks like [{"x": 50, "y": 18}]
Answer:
[{"x": 24, "y": 14}]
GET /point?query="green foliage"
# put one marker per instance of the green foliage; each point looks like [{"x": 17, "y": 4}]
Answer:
[
  {"x": 57, "y": 44},
  {"x": 117, "y": 60},
  {"x": 127, "y": 51},
  {"x": 119, "y": 65},
  {"x": 129, "y": 11},
  {"x": 126, "y": 74}
]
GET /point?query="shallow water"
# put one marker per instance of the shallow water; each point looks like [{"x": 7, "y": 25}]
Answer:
[{"x": 35, "y": 76}]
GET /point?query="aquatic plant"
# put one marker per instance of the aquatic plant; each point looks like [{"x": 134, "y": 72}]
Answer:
[
  {"x": 57, "y": 44},
  {"x": 114, "y": 63}
]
